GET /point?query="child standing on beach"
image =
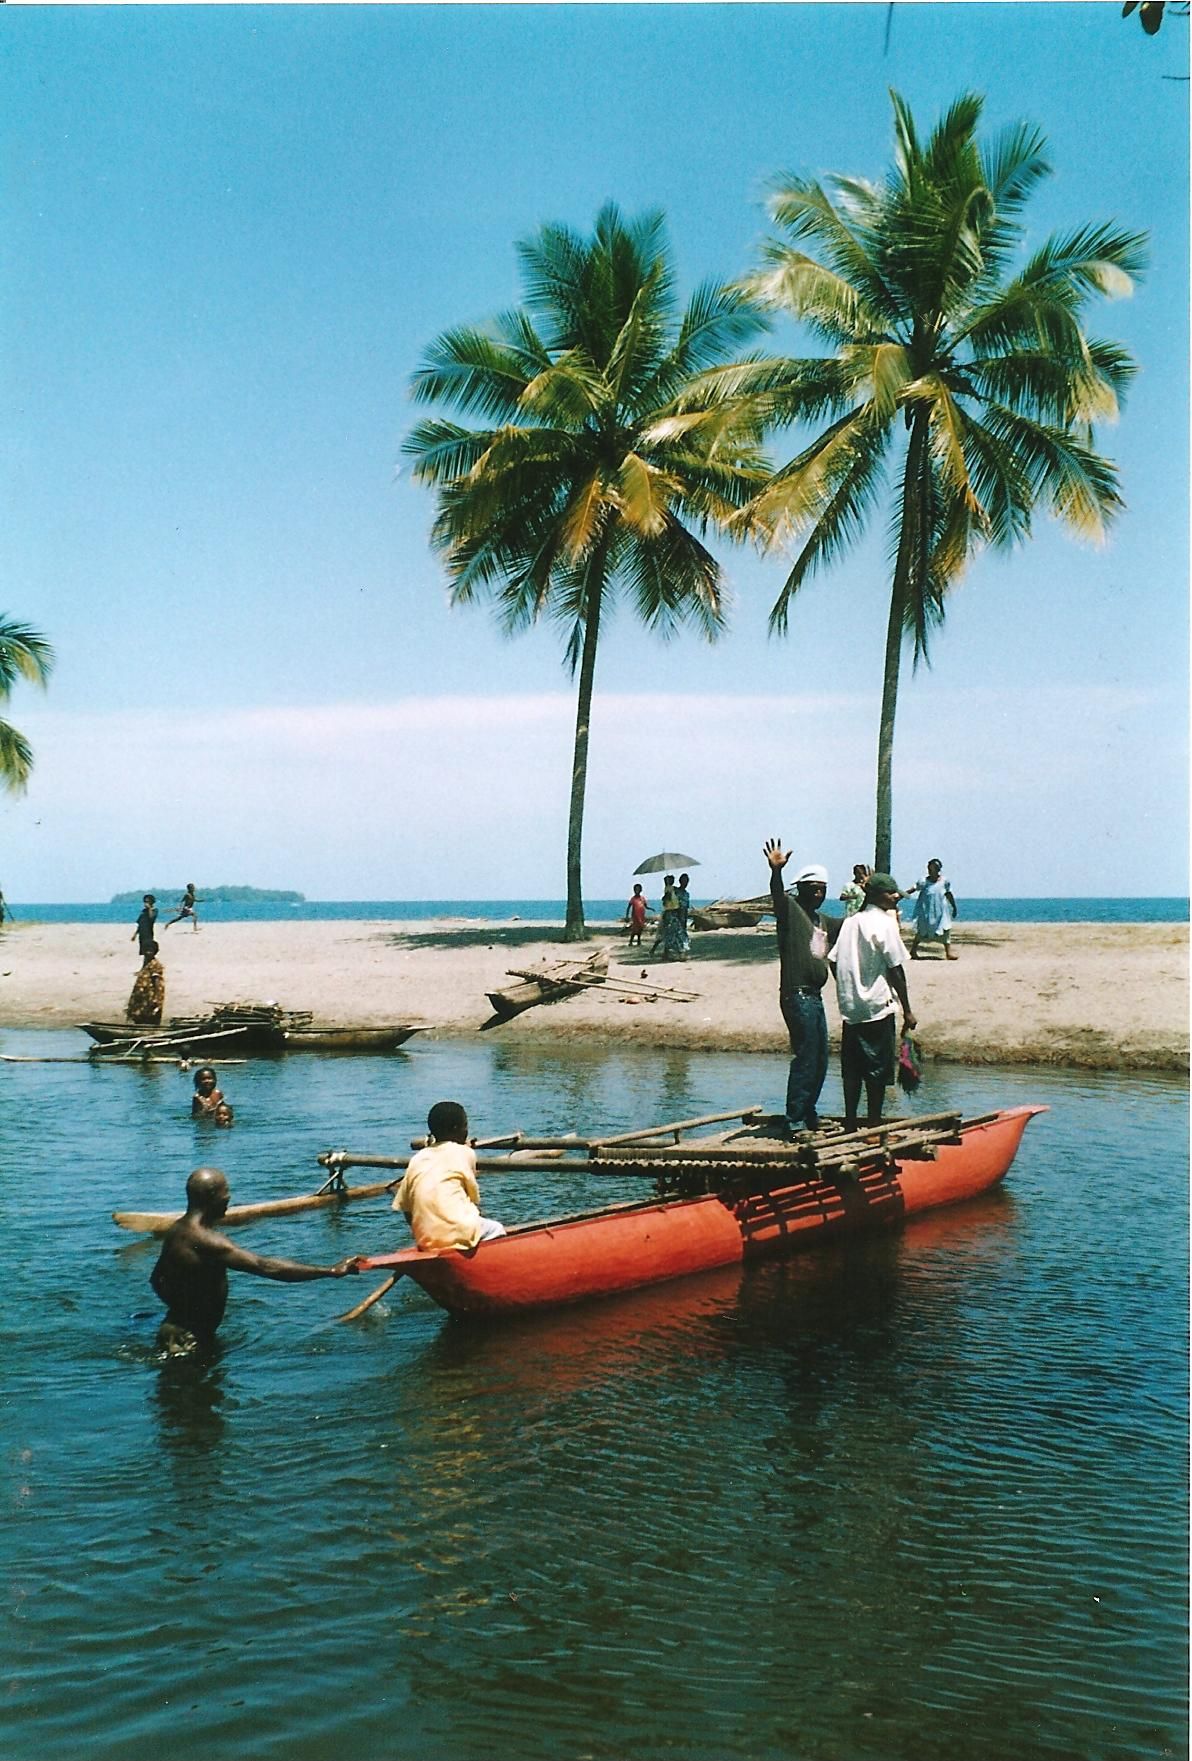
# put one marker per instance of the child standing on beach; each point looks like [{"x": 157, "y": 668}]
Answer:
[
  {"x": 635, "y": 915},
  {"x": 143, "y": 934}
]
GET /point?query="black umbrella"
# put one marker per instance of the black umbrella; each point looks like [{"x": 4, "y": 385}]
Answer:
[{"x": 664, "y": 862}]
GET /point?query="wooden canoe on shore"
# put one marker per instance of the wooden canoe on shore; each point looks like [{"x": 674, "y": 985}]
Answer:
[
  {"x": 347, "y": 1039},
  {"x": 765, "y": 1202},
  {"x": 732, "y": 913},
  {"x": 204, "y": 1038},
  {"x": 216, "y": 1034},
  {"x": 564, "y": 979}
]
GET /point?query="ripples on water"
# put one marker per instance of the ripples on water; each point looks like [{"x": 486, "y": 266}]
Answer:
[{"x": 918, "y": 1496}]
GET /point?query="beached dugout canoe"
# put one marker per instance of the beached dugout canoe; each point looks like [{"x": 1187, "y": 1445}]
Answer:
[
  {"x": 204, "y": 1038},
  {"x": 347, "y": 1039},
  {"x": 218, "y": 1034},
  {"x": 732, "y": 913},
  {"x": 564, "y": 979},
  {"x": 758, "y": 1210}
]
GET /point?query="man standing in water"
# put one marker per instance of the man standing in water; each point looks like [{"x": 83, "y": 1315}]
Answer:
[
  {"x": 803, "y": 939},
  {"x": 867, "y": 962},
  {"x": 191, "y": 1274}
]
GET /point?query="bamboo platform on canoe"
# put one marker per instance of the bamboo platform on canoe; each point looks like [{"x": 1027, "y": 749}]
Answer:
[{"x": 757, "y": 1154}]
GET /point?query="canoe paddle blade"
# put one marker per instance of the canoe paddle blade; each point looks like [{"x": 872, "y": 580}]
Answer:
[{"x": 361, "y": 1308}]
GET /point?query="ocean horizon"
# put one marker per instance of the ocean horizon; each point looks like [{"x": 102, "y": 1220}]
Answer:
[{"x": 1075, "y": 909}]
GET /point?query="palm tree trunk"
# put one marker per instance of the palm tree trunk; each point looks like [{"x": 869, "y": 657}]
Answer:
[
  {"x": 575, "y": 929},
  {"x": 908, "y": 540}
]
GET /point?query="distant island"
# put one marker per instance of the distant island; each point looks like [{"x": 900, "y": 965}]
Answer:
[{"x": 216, "y": 896}]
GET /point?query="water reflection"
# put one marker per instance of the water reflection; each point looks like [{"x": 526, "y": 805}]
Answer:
[
  {"x": 919, "y": 1494},
  {"x": 188, "y": 1401},
  {"x": 673, "y": 1074},
  {"x": 557, "y": 1353}
]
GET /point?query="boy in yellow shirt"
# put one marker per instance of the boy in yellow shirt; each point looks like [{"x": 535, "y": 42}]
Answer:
[{"x": 438, "y": 1193}]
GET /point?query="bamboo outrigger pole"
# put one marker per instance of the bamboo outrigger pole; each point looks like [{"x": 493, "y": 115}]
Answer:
[
  {"x": 839, "y": 1152},
  {"x": 341, "y": 1159}
]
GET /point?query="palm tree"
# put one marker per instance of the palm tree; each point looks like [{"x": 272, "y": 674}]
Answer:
[
  {"x": 24, "y": 654},
  {"x": 966, "y": 387},
  {"x": 583, "y": 481}
]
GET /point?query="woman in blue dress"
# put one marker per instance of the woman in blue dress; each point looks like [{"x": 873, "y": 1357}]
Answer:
[{"x": 935, "y": 910}]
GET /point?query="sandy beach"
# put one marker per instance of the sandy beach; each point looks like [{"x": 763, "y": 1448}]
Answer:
[{"x": 1092, "y": 996}]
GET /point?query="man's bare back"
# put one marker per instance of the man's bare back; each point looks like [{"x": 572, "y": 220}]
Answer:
[{"x": 191, "y": 1274}]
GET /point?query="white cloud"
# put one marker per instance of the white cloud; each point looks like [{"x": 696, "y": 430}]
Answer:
[{"x": 461, "y": 795}]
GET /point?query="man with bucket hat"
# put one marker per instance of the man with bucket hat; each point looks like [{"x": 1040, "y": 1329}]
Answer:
[
  {"x": 803, "y": 940},
  {"x": 867, "y": 962}
]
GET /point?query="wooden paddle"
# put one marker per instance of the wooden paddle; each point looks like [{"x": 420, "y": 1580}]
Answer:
[{"x": 361, "y": 1308}]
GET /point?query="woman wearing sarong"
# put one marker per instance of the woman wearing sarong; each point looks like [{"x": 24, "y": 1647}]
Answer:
[{"x": 148, "y": 996}]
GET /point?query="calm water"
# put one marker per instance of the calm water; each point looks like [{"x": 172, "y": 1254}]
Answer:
[
  {"x": 1108, "y": 910},
  {"x": 920, "y": 1496}
]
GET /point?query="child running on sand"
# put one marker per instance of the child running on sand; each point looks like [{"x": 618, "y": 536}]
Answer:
[{"x": 186, "y": 908}]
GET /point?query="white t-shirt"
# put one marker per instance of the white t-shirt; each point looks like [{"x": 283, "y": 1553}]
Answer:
[{"x": 868, "y": 945}]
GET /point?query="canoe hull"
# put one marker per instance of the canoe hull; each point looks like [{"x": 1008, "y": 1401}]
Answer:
[
  {"x": 206, "y": 1041},
  {"x": 555, "y": 983},
  {"x": 346, "y": 1039},
  {"x": 520, "y": 997},
  {"x": 549, "y": 1265},
  {"x": 260, "y": 1040}
]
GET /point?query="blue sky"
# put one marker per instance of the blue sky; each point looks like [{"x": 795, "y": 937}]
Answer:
[{"x": 231, "y": 233}]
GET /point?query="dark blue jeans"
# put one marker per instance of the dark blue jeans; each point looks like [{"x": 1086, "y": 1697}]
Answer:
[{"x": 807, "y": 1026}]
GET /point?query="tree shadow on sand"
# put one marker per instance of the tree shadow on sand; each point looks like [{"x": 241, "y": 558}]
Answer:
[{"x": 723, "y": 947}]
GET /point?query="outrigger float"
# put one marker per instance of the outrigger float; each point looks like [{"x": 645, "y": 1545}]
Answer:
[{"x": 735, "y": 1196}]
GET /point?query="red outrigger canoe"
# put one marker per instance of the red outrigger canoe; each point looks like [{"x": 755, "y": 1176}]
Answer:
[{"x": 624, "y": 1247}]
